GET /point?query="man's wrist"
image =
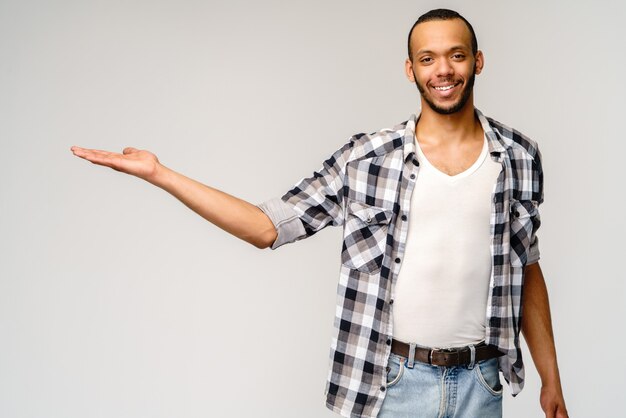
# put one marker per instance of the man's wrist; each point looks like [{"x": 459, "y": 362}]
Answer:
[
  {"x": 159, "y": 175},
  {"x": 552, "y": 380}
]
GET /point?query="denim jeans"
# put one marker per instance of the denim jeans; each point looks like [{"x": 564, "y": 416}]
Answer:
[{"x": 427, "y": 391}]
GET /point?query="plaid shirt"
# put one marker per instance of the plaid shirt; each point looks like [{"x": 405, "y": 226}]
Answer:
[{"x": 366, "y": 186}]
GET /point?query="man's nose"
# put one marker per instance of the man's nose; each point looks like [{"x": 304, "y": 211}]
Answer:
[{"x": 444, "y": 68}]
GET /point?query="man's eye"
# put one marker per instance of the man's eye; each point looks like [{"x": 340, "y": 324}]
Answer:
[
  {"x": 426, "y": 60},
  {"x": 458, "y": 56}
]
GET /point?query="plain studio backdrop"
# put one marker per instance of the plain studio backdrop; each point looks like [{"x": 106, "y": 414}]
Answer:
[{"x": 117, "y": 301}]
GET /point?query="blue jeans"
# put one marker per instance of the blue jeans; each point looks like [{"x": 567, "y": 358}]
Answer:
[{"x": 427, "y": 391}]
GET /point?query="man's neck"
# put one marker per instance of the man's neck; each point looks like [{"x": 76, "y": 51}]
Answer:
[{"x": 437, "y": 129}]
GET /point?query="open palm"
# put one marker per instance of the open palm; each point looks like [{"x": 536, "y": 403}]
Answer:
[{"x": 140, "y": 163}]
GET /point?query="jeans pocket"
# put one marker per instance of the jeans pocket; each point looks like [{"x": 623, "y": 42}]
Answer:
[
  {"x": 395, "y": 370},
  {"x": 488, "y": 376},
  {"x": 365, "y": 236}
]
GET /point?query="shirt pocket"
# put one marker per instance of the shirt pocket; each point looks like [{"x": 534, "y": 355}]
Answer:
[
  {"x": 523, "y": 218},
  {"x": 365, "y": 236}
]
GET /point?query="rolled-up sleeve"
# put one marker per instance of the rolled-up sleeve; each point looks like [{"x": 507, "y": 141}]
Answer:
[
  {"x": 286, "y": 221},
  {"x": 533, "y": 252},
  {"x": 313, "y": 203}
]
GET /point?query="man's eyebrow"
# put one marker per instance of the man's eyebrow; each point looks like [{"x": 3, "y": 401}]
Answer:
[{"x": 454, "y": 48}]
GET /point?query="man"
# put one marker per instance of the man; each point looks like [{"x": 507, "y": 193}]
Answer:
[{"x": 440, "y": 252}]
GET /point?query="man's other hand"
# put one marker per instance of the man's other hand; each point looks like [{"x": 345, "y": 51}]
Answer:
[
  {"x": 140, "y": 163},
  {"x": 552, "y": 402}
]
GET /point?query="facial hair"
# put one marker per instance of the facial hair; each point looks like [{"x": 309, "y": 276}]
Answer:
[{"x": 465, "y": 94}]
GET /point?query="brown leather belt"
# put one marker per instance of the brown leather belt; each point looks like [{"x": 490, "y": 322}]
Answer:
[{"x": 455, "y": 356}]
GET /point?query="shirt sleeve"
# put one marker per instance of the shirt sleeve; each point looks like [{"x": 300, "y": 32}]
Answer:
[
  {"x": 533, "y": 253},
  {"x": 313, "y": 203}
]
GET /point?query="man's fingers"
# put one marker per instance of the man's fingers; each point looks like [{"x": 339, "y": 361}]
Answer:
[
  {"x": 78, "y": 151},
  {"x": 556, "y": 410},
  {"x": 84, "y": 152},
  {"x": 101, "y": 159},
  {"x": 87, "y": 151},
  {"x": 561, "y": 412},
  {"x": 106, "y": 158}
]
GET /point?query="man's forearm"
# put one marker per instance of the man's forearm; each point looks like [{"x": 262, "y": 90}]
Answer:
[
  {"x": 537, "y": 325},
  {"x": 537, "y": 330},
  {"x": 233, "y": 215}
]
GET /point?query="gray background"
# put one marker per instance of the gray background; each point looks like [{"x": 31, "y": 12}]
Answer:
[{"x": 117, "y": 301}]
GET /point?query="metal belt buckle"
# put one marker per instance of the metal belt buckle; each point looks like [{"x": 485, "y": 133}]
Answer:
[{"x": 453, "y": 350}]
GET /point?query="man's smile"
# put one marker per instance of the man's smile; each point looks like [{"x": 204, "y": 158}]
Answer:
[
  {"x": 446, "y": 90},
  {"x": 444, "y": 87}
]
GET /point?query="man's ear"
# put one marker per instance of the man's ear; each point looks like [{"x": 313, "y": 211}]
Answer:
[
  {"x": 480, "y": 62},
  {"x": 408, "y": 69}
]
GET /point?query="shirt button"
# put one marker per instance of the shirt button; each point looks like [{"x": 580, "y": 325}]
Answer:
[
  {"x": 388, "y": 341},
  {"x": 382, "y": 388},
  {"x": 391, "y": 302},
  {"x": 398, "y": 260},
  {"x": 412, "y": 176},
  {"x": 403, "y": 217},
  {"x": 516, "y": 214}
]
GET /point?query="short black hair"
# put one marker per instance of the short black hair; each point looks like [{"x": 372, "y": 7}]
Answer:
[{"x": 442, "y": 14}]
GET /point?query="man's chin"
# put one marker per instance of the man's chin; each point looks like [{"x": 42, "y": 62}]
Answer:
[
  {"x": 444, "y": 111},
  {"x": 448, "y": 110}
]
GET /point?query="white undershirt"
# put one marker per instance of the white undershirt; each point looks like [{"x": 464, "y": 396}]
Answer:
[{"x": 441, "y": 291}]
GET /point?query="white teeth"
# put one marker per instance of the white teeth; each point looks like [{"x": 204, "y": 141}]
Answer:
[{"x": 444, "y": 88}]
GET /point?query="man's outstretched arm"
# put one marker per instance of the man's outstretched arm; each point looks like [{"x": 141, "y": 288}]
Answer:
[
  {"x": 537, "y": 331},
  {"x": 236, "y": 216}
]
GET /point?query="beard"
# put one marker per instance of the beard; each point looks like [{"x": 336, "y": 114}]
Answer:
[{"x": 465, "y": 94}]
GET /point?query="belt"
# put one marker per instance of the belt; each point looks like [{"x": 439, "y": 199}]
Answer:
[{"x": 455, "y": 356}]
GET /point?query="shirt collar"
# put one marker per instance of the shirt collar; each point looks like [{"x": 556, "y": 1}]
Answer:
[{"x": 493, "y": 138}]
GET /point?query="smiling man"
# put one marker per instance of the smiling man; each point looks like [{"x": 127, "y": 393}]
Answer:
[
  {"x": 454, "y": 87},
  {"x": 440, "y": 259}
]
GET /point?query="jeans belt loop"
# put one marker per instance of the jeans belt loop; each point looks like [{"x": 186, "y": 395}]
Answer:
[
  {"x": 472, "y": 356},
  {"x": 411, "y": 359}
]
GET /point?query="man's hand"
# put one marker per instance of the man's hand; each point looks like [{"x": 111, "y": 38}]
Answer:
[
  {"x": 140, "y": 163},
  {"x": 552, "y": 402}
]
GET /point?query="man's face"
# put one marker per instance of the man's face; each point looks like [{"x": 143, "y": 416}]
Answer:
[{"x": 442, "y": 64}]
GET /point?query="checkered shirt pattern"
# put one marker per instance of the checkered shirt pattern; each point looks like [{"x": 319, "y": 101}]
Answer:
[{"x": 366, "y": 186}]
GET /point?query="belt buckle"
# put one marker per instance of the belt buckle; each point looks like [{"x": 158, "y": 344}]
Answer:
[
  {"x": 451, "y": 350},
  {"x": 430, "y": 354}
]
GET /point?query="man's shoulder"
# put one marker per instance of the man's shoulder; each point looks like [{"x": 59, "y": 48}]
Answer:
[
  {"x": 378, "y": 143},
  {"x": 513, "y": 139}
]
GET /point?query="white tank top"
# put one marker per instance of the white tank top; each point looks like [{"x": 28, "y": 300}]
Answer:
[{"x": 441, "y": 291}]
